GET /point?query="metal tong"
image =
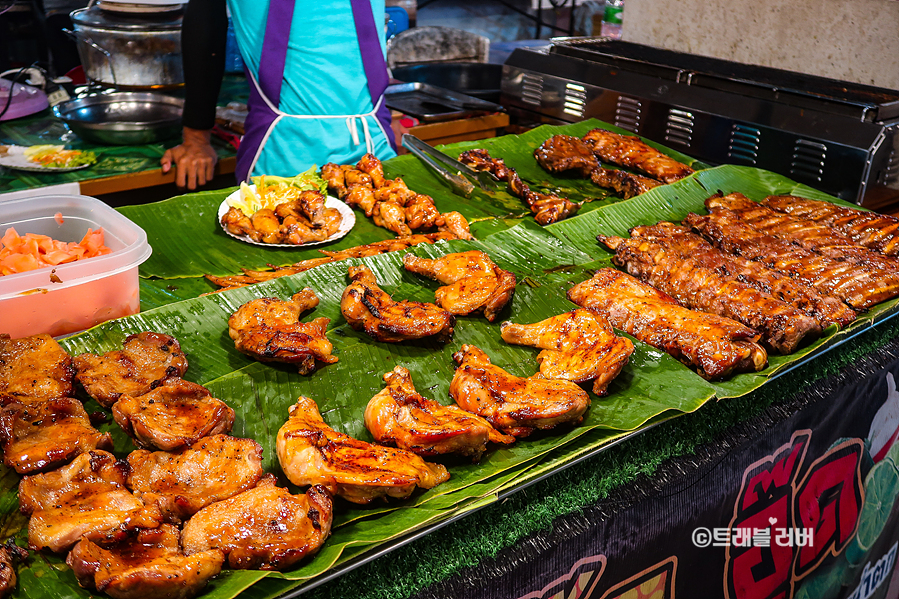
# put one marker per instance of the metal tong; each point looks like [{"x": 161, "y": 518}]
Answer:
[{"x": 461, "y": 179}]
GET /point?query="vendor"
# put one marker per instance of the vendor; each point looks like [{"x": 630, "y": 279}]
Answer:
[{"x": 317, "y": 76}]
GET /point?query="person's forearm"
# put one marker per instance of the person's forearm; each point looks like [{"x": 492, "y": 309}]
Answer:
[{"x": 204, "y": 33}]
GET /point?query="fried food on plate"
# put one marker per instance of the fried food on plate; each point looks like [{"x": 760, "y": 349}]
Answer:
[
  {"x": 34, "y": 367},
  {"x": 312, "y": 453}
]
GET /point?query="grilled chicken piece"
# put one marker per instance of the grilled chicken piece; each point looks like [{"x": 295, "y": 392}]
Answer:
[
  {"x": 514, "y": 405},
  {"x": 10, "y": 553},
  {"x": 182, "y": 483},
  {"x": 577, "y": 346},
  {"x": 392, "y": 217},
  {"x": 86, "y": 498},
  {"x": 631, "y": 152},
  {"x": 236, "y": 222},
  {"x": 173, "y": 416},
  {"x": 825, "y": 308},
  {"x": 268, "y": 329},
  {"x": 149, "y": 565},
  {"x": 334, "y": 175},
  {"x": 400, "y": 416},
  {"x": 561, "y": 153},
  {"x": 628, "y": 185},
  {"x": 547, "y": 208},
  {"x": 395, "y": 191},
  {"x": 697, "y": 282},
  {"x": 312, "y": 453},
  {"x": 879, "y": 232},
  {"x": 371, "y": 165},
  {"x": 716, "y": 346},
  {"x": 39, "y": 435},
  {"x": 35, "y": 367},
  {"x": 453, "y": 223},
  {"x": 856, "y": 285},
  {"x": 146, "y": 361},
  {"x": 421, "y": 213},
  {"x": 266, "y": 227},
  {"x": 472, "y": 282},
  {"x": 368, "y": 308},
  {"x": 362, "y": 196},
  {"x": 263, "y": 528}
]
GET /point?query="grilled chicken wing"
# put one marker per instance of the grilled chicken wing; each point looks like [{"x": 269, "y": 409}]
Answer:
[
  {"x": 149, "y": 565},
  {"x": 368, "y": 308},
  {"x": 86, "y": 498},
  {"x": 514, "y": 405},
  {"x": 34, "y": 367},
  {"x": 268, "y": 329},
  {"x": 628, "y": 185},
  {"x": 698, "y": 282},
  {"x": 455, "y": 224},
  {"x": 236, "y": 222},
  {"x": 182, "y": 483},
  {"x": 263, "y": 528},
  {"x": 39, "y": 435},
  {"x": 312, "y": 453},
  {"x": 10, "y": 553},
  {"x": 561, "y": 153},
  {"x": 471, "y": 280},
  {"x": 577, "y": 346},
  {"x": 392, "y": 217},
  {"x": 173, "y": 416},
  {"x": 421, "y": 213},
  {"x": 400, "y": 416},
  {"x": 631, "y": 152},
  {"x": 879, "y": 232},
  {"x": 146, "y": 361},
  {"x": 716, "y": 346}
]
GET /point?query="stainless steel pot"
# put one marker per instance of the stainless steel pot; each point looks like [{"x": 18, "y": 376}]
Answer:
[
  {"x": 123, "y": 118},
  {"x": 129, "y": 50}
]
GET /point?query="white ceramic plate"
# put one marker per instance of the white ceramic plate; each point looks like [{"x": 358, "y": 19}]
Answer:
[
  {"x": 347, "y": 221},
  {"x": 15, "y": 158}
]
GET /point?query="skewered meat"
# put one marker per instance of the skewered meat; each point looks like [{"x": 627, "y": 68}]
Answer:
[
  {"x": 561, "y": 153},
  {"x": 39, "y": 435},
  {"x": 268, "y": 329},
  {"x": 547, "y": 208},
  {"x": 859, "y": 287},
  {"x": 825, "y": 308},
  {"x": 471, "y": 282},
  {"x": 173, "y": 416},
  {"x": 514, "y": 405},
  {"x": 631, "y": 152},
  {"x": 698, "y": 283},
  {"x": 149, "y": 565},
  {"x": 577, "y": 346},
  {"x": 400, "y": 416},
  {"x": 368, "y": 308},
  {"x": 879, "y": 232},
  {"x": 182, "y": 483},
  {"x": 628, "y": 185},
  {"x": 34, "y": 367},
  {"x": 388, "y": 245},
  {"x": 10, "y": 553},
  {"x": 716, "y": 346},
  {"x": 146, "y": 361},
  {"x": 86, "y": 498},
  {"x": 263, "y": 528},
  {"x": 312, "y": 453}
]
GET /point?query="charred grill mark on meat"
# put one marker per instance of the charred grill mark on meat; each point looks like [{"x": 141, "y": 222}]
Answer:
[
  {"x": 561, "y": 153},
  {"x": 631, "y": 152},
  {"x": 628, "y": 185}
]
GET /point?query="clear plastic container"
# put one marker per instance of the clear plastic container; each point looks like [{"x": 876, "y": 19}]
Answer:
[{"x": 90, "y": 291}]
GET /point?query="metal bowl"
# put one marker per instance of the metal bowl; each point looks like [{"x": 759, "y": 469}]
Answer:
[{"x": 123, "y": 118}]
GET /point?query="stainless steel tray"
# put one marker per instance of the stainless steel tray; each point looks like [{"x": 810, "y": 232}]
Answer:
[{"x": 429, "y": 103}]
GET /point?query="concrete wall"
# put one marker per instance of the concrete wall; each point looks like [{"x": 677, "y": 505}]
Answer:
[{"x": 851, "y": 40}]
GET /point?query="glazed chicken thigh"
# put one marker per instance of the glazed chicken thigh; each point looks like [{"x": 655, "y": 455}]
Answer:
[{"x": 34, "y": 367}]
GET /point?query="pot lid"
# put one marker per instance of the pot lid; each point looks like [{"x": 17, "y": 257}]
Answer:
[
  {"x": 127, "y": 21},
  {"x": 140, "y": 6}
]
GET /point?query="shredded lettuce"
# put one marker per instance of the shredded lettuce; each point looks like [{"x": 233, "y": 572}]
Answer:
[{"x": 268, "y": 191}]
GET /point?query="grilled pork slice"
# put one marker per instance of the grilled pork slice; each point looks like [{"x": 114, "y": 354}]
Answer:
[
  {"x": 577, "y": 346},
  {"x": 40, "y": 435},
  {"x": 561, "y": 153},
  {"x": 825, "y": 308},
  {"x": 859, "y": 287},
  {"x": 34, "y": 367},
  {"x": 313, "y": 453},
  {"x": 631, "y": 152},
  {"x": 628, "y": 185},
  {"x": 175, "y": 415},
  {"x": 369, "y": 308},
  {"x": 268, "y": 329},
  {"x": 146, "y": 361},
  {"x": 86, "y": 498},
  {"x": 10, "y": 554},
  {"x": 263, "y": 528},
  {"x": 696, "y": 282},
  {"x": 879, "y": 232},
  {"x": 807, "y": 233},
  {"x": 472, "y": 282},
  {"x": 149, "y": 565},
  {"x": 400, "y": 416},
  {"x": 514, "y": 405},
  {"x": 716, "y": 346},
  {"x": 182, "y": 483}
]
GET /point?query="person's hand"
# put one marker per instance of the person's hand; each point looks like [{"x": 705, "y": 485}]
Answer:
[{"x": 194, "y": 160}]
